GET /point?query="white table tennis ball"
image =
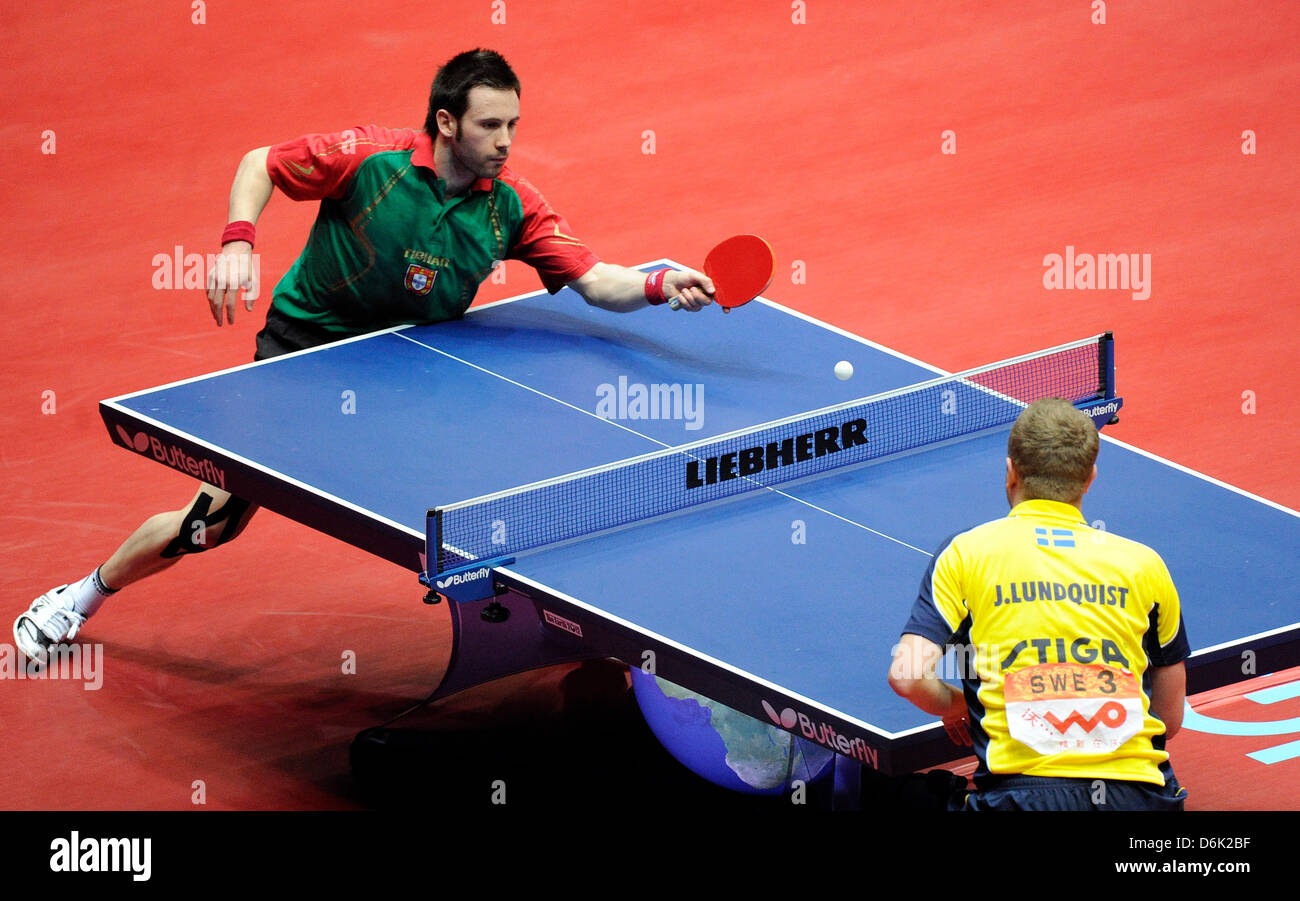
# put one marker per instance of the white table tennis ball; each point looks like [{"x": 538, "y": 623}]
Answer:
[{"x": 843, "y": 370}]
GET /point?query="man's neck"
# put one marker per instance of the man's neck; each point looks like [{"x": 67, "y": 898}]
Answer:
[
  {"x": 455, "y": 176},
  {"x": 1016, "y": 499}
]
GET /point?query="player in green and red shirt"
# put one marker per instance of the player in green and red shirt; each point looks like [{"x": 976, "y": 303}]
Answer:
[
  {"x": 393, "y": 244},
  {"x": 410, "y": 223}
]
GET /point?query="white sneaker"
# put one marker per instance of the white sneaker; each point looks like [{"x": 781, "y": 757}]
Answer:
[{"x": 47, "y": 622}]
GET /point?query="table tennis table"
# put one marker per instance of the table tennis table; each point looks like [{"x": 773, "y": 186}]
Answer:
[{"x": 783, "y": 601}]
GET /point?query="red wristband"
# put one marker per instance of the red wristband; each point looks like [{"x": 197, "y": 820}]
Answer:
[
  {"x": 654, "y": 287},
  {"x": 238, "y": 231}
]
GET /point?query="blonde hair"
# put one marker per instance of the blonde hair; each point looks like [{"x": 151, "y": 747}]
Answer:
[{"x": 1053, "y": 448}]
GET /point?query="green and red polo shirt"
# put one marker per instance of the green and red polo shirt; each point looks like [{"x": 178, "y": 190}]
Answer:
[{"x": 389, "y": 246}]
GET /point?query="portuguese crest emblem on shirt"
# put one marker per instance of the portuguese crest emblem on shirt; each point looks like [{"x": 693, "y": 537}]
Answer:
[{"x": 420, "y": 278}]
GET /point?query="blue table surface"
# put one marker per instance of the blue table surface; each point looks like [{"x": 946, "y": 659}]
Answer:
[{"x": 400, "y": 422}]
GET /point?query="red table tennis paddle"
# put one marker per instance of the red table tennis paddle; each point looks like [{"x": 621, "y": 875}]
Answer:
[{"x": 741, "y": 268}]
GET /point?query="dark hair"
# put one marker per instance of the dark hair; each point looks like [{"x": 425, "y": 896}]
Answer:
[
  {"x": 463, "y": 72},
  {"x": 1053, "y": 447}
]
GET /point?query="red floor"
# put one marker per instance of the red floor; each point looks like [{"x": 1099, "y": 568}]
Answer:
[{"x": 825, "y": 137}]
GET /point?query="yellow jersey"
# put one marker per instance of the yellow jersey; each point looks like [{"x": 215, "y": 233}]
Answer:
[{"x": 1055, "y": 626}]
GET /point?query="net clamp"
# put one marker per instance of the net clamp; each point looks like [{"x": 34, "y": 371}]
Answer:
[
  {"x": 464, "y": 584},
  {"x": 1104, "y": 411}
]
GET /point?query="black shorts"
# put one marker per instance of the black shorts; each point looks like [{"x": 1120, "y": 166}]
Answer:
[
  {"x": 1048, "y": 793},
  {"x": 283, "y": 335}
]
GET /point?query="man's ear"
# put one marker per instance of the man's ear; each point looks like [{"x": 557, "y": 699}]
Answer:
[
  {"x": 1088, "y": 484},
  {"x": 447, "y": 124}
]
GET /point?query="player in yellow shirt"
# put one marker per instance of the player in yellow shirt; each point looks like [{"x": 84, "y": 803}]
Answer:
[{"x": 1069, "y": 640}]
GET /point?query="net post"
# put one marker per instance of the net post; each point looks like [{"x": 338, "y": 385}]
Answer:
[
  {"x": 1106, "y": 365},
  {"x": 438, "y": 561}
]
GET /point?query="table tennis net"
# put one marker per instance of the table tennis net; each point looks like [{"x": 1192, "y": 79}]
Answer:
[{"x": 869, "y": 429}]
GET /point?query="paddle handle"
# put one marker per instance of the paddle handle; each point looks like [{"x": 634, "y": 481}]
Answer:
[{"x": 673, "y": 304}]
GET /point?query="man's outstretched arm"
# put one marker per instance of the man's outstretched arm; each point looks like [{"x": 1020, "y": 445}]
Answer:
[{"x": 622, "y": 290}]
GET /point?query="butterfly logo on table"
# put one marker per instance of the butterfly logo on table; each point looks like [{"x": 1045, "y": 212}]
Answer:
[
  {"x": 138, "y": 442},
  {"x": 785, "y": 719}
]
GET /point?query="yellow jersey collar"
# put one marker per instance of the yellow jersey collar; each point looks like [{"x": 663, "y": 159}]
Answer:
[{"x": 1045, "y": 509}]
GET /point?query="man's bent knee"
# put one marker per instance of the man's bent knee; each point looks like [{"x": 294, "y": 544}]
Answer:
[{"x": 202, "y": 527}]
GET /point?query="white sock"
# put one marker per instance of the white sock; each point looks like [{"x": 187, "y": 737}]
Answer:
[{"x": 89, "y": 594}]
